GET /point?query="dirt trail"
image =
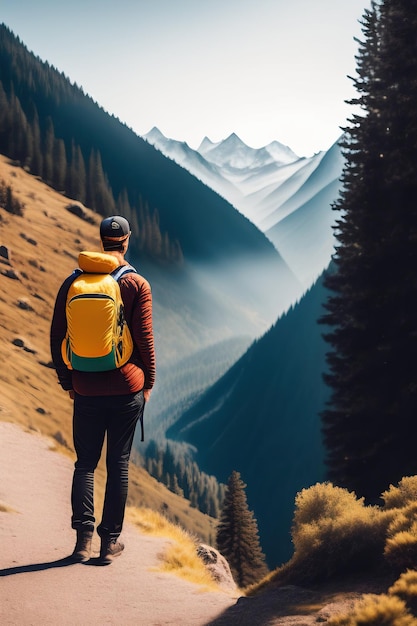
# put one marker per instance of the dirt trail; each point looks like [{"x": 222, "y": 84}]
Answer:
[{"x": 37, "y": 585}]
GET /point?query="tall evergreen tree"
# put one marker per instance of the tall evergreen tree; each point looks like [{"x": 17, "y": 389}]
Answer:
[
  {"x": 99, "y": 196},
  {"x": 60, "y": 164},
  {"x": 237, "y": 535},
  {"x": 48, "y": 152},
  {"x": 36, "y": 161},
  {"x": 370, "y": 424}
]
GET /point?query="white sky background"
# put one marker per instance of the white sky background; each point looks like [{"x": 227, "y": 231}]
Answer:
[{"x": 264, "y": 69}]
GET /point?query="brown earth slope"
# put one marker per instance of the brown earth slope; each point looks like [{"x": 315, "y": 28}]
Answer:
[{"x": 37, "y": 251}]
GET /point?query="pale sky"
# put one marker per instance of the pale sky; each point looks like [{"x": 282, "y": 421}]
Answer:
[{"x": 264, "y": 69}]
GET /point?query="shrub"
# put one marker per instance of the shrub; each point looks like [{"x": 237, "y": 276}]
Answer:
[
  {"x": 402, "y": 495},
  {"x": 401, "y": 545},
  {"x": 8, "y": 201},
  {"x": 333, "y": 532},
  {"x": 374, "y": 610},
  {"x": 323, "y": 500},
  {"x": 406, "y": 589}
]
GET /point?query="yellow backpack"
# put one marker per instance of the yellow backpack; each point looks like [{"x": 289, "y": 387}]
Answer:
[{"x": 98, "y": 338}]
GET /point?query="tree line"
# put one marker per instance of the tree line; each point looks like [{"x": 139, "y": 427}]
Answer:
[
  {"x": 171, "y": 465},
  {"x": 370, "y": 423},
  {"x": 30, "y": 95},
  {"x": 237, "y": 535}
]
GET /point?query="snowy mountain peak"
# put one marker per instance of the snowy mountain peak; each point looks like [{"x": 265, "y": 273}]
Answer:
[
  {"x": 205, "y": 145},
  {"x": 287, "y": 197},
  {"x": 281, "y": 153},
  {"x": 154, "y": 135},
  {"x": 233, "y": 154}
]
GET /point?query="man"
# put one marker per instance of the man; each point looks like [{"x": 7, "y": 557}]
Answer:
[{"x": 107, "y": 402}]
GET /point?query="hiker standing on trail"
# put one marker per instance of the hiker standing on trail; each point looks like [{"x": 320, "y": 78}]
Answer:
[{"x": 110, "y": 386}]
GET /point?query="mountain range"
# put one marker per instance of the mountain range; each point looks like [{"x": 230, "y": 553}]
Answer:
[{"x": 287, "y": 197}]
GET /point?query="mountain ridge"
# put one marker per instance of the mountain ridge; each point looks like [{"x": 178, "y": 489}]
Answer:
[
  {"x": 272, "y": 435},
  {"x": 267, "y": 189}
]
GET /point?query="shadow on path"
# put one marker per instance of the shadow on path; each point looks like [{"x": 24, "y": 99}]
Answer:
[{"x": 37, "y": 567}]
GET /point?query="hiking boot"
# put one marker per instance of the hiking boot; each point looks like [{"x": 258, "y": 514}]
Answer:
[
  {"x": 110, "y": 549},
  {"x": 82, "y": 548}
]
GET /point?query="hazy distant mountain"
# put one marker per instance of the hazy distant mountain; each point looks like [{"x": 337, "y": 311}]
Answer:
[
  {"x": 268, "y": 185},
  {"x": 230, "y": 167},
  {"x": 302, "y": 227},
  {"x": 262, "y": 419},
  {"x": 233, "y": 155}
]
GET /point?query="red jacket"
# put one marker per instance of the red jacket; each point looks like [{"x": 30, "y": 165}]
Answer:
[{"x": 139, "y": 372}]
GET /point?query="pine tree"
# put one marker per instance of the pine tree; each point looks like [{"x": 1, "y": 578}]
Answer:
[
  {"x": 370, "y": 423},
  {"x": 48, "y": 152},
  {"x": 59, "y": 165},
  {"x": 36, "y": 160},
  {"x": 237, "y": 535}
]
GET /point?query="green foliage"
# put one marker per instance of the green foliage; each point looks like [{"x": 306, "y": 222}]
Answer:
[{"x": 237, "y": 535}]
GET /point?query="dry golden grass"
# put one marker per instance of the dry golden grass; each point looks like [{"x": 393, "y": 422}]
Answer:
[
  {"x": 5, "y": 508},
  {"x": 180, "y": 556},
  {"x": 43, "y": 246},
  {"x": 373, "y": 610}
]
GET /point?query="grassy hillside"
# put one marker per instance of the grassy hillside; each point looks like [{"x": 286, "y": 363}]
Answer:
[{"x": 38, "y": 251}]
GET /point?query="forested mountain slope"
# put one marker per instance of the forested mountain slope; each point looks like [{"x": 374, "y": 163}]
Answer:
[{"x": 262, "y": 419}]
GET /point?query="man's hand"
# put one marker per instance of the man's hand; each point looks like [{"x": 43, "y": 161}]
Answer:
[{"x": 147, "y": 394}]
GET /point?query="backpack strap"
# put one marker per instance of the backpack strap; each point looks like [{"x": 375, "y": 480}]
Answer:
[
  {"x": 70, "y": 279},
  {"x": 117, "y": 274},
  {"x": 121, "y": 271}
]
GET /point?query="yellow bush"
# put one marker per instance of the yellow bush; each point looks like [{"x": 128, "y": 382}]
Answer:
[
  {"x": 406, "y": 589},
  {"x": 323, "y": 500},
  {"x": 402, "y": 519},
  {"x": 374, "y": 610},
  {"x": 333, "y": 532},
  {"x": 401, "y": 545},
  {"x": 401, "y": 550},
  {"x": 402, "y": 495}
]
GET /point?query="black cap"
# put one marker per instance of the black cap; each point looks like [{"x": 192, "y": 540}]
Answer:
[{"x": 113, "y": 231}]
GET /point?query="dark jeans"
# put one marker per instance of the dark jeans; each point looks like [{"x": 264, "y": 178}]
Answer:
[{"x": 95, "y": 417}]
